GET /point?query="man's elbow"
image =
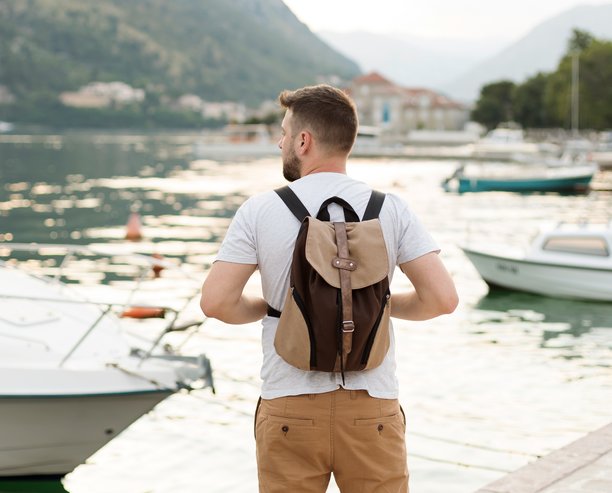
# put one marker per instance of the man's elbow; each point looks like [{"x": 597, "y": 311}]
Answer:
[
  {"x": 211, "y": 307},
  {"x": 448, "y": 304}
]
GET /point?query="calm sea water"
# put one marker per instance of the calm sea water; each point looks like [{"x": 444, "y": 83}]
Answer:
[{"x": 507, "y": 378}]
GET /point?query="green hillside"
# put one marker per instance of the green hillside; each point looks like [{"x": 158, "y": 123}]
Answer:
[{"x": 241, "y": 50}]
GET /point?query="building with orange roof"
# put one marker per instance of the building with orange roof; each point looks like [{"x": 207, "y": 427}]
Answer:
[{"x": 397, "y": 110}]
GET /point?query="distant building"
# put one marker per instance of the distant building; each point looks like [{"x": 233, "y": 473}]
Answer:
[
  {"x": 229, "y": 111},
  {"x": 6, "y": 97},
  {"x": 102, "y": 94},
  {"x": 190, "y": 102},
  {"x": 225, "y": 110},
  {"x": 397, "y": 110},
  {"x": 265, "y": 111}
]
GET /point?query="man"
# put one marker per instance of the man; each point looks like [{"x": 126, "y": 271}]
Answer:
[{"x": 309, "y": 424}]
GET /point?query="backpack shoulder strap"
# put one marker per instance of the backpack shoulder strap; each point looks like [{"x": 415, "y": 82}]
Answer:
[
  {"x": 298, "y": 209},
  {"x": 292, "y": 201},
  {"x": 349, "y": 213},
  {"x": 374, "y": 205}
]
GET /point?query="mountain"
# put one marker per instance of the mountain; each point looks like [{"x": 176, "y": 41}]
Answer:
[
  {"x": 411, "y": 61},
  {"x": 540, "y": 50},
  {"x": 459, "y": 68},
  {"x": 242, "y": 50}
]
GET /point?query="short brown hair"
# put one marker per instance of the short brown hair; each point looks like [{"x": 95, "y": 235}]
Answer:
[{"x": 327, "y": 111}]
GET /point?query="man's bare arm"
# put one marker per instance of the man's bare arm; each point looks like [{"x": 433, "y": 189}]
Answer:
[
  {"x": 223, "y": 298},
  {"x": 434, "y": 291}
]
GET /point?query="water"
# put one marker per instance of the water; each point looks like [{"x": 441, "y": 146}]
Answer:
[{"x": 506, "y": 378}]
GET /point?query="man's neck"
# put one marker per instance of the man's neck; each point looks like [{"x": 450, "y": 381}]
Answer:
[{"x": 331, "y": 165}]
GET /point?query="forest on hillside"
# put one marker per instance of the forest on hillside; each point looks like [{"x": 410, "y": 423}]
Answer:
[{"x": 236, "y": 50}]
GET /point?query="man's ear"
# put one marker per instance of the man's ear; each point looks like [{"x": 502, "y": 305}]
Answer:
[{"x": 305, "y": 142}]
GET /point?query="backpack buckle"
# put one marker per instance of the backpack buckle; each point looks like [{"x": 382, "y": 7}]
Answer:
[{"x": 350, "y": 324}]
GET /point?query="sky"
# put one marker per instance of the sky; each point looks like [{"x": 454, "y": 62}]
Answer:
[{"x": 448, "y": 19}]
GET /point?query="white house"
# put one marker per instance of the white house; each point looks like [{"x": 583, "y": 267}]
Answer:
[{"x": 101, "y": 94}]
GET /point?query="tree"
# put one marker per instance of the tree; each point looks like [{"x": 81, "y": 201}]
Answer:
[
  {"x": 594, "y": 88},
  {"x": 579, "y": 41},
  {"x": 545, "y": 100},
  {"x": 528, "y": 103},
  {"x": 495, "y": 103}
]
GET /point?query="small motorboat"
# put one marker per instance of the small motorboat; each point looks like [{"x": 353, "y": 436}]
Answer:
[
  {"x": 503, "y": 177},
  {"x": 567, "y": 261},
  {"x": 69, "y": 379}
]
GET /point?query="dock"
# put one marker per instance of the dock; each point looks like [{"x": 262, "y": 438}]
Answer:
[{"x": 583, "y": 466}]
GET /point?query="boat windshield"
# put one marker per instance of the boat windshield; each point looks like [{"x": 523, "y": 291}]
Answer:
[{"x": 583, "y": 245}]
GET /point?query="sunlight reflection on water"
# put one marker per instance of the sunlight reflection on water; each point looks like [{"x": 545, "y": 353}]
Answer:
[{"x": 507, "y": 377}]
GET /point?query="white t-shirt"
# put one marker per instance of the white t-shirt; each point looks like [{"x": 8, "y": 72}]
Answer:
[{"x": 263, "y": 232}]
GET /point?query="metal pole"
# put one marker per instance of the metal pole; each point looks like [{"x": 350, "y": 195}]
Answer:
[
  {"x": 574, "y": 95},
  {"x": 102, "y": 315}
]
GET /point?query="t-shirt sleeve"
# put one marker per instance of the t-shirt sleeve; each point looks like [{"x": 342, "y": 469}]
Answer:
[
  {"x": 238, "y": 246},
  {"x": 414, "y": 240}
]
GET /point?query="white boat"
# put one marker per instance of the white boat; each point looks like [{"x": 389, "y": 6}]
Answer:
[
  {"x": 505, "y": 144},
  {"x": 69, "y": 380},
  {"x": 603, "y": 157},
  {"x": 602, "y": 151},
  {"x": 371, "y": 142},
  {"x": 567, "y": 261},
  {"x": 567, "y": 159},
  {"x": 425, "y": 137}
]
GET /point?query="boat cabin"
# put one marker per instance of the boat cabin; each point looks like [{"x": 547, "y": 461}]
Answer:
[{"x": 588, "y": 244}]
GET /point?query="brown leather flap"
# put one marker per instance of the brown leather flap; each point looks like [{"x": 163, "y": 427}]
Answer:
[
  {"x": 344, "y": 263},
  {"x": 366, "y": 246}
]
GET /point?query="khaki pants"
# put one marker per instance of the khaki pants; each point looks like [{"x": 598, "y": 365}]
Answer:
[{"x": 302, "y": 439}]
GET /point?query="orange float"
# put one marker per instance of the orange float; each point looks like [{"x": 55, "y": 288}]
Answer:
[{"x": 142, "y": 312}]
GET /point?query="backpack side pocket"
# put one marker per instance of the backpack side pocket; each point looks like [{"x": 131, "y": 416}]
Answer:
[{"x": 293, "y": 341}]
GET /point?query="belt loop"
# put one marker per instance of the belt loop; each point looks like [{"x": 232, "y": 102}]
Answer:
[
  {"x": 311, "y": 397},
  {"x": 354, "y": 395}
]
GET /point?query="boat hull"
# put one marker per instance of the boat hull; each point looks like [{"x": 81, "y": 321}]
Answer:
[
  {"x": 548, "y": 279},
  {"x": 51, "y": 435},
  {"x": 561, "y": 184}
]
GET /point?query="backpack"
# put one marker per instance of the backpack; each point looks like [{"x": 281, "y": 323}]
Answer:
[{"x": 336, "y": 313}]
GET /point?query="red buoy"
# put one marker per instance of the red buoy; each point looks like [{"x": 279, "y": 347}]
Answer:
[
  {"x": 157, "y": 268},
  {"x": 133, "y": 229}
]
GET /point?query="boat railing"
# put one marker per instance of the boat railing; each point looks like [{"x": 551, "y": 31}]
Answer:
[
  {"x": 106, "y": 308},
  {"x": 583, "y": 222}
]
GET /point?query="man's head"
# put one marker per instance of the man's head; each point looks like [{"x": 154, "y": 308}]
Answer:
[{"x": 323, "y": 113}]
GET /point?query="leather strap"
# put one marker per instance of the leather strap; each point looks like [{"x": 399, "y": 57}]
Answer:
[{"x": 344, "y": 265}]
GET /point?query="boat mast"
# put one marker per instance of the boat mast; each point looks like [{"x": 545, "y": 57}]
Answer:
[{"x": 574, "y": 95}]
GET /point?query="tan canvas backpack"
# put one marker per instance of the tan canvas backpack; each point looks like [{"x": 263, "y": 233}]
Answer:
[{"x": 336, "y": 313}]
